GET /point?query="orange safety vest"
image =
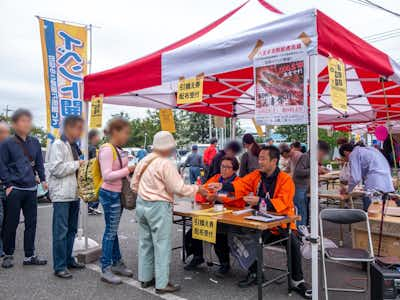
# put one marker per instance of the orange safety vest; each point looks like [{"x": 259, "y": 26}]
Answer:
[
  {"x": 228, "y": 201},
  {"x": 283, "y": 194}
]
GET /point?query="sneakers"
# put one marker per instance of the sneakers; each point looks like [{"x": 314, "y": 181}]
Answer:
[
  {"x": 75, "y": 265},
  {"x": 109, "y": 277},
  {"x": 93, "y": 212},
  {"x": 222, "y": 270},
  {"x": 8, "y": 262},
  {"x": 302, "y": 289},
  {"x": 250, "y": 280},
  {"x": 65, "y": 274},
  {"x": 120, "y": 269},
  {"x": 194, "y": 263},
  {"x": 34, "y": 261}
]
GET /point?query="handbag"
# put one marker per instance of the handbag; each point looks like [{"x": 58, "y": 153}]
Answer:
[{"x": 128, "y": 197}]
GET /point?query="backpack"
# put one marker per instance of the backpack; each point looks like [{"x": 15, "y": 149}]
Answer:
[{"x": 90, "y": 179}]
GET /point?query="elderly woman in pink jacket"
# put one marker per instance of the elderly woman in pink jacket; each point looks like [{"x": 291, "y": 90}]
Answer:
[{"x": 157, "y": 180}]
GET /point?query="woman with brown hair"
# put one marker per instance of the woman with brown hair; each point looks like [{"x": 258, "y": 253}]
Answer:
[
  {"x": 249, "y": 159},
  {"x": 114, "y": 167}
]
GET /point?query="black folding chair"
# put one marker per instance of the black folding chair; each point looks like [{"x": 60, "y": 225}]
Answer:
[{"x": 345, "y": 217}]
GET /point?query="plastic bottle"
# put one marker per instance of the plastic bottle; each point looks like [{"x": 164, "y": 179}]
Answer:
[{"x": 263, "y": 206}]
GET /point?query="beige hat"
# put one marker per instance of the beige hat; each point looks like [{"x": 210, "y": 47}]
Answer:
[{"x": 163, "y": 140}]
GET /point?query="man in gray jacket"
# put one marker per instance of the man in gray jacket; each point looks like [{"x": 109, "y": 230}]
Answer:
[{"x": 63, "y": 164}]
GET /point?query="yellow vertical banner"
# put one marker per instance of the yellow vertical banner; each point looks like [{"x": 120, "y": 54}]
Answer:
[
  {"x": 190, "y": 90},
  {"x": 167, "y": 120},
  {"x": 260, "y": 132},
  {"x": 338, "y": 84},
  {"x": 204, "y": 228},
  {"x": 219, "y": 122},
  {"x": 64, "y": 51},
  {"x": 96, "y": 112}
]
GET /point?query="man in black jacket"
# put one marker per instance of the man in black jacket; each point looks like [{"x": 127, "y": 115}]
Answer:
[{"x": 21, "y": 169}]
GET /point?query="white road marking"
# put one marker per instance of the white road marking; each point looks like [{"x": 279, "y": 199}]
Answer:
[{"x": 136, "y": 284}]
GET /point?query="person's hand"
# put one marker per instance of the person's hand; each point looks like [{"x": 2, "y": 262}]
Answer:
[
  {"x": 215, "y": 186},
  {"x": 9, "y": 190},
  {"x": 212, "y": 198},
  {"x": 45, "y": 185},
  {"x": 343, "y": 190},
  {"x": 131, "y": 168},
  {"x": 251, "y": 200},
  {"x": 203, "y": 191},
  {"x": 81, "y": 162}
]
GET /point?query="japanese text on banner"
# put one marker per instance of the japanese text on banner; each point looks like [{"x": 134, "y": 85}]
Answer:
[
  {"x": 96, "y": 112},
  {"x": 337, "y": 82},
  {"x": 190, "y": 90},
  {"x": 204, "y": 228},
  {"x": 167, "y": 120},
  {"x": 65, "y": 62},
  {"x": 280, "y": 84}
]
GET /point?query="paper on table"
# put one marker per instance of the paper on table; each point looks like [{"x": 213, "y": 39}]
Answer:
[
  {"x": 242, "y": 211},
  {"x": 270, "y": 218}
]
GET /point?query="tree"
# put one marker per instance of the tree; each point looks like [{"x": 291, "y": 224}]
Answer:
[{"x": 293, "y": 132}]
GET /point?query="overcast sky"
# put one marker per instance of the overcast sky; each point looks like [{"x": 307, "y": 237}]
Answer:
[{"x": 130, "y": 29}]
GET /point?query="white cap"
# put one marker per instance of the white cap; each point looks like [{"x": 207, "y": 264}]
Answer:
[{"x": 163, "y": 140}]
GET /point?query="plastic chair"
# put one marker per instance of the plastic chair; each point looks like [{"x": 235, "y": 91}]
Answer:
[{"x": 345, "y": 217}]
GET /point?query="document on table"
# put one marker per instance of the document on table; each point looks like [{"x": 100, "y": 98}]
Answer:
[
  {"x": 242, "y": 211},
  {"x": 266, "y": 218}
]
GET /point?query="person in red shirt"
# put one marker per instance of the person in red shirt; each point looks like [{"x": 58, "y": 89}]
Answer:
[
  {"x": 229, "y": 167},
  {"x": 209, "y": 154}
]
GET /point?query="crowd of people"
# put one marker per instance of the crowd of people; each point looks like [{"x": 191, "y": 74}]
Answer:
[{"x": 270, "y": 176}]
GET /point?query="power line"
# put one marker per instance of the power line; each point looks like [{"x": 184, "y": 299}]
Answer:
[{"x": 374, "y": 5}]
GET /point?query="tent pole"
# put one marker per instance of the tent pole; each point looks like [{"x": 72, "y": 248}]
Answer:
[
  {"x": 314, "y": 170},
  {"x": 209, "y": 127}
]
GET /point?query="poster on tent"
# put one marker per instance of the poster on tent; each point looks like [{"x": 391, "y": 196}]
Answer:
[
  {"x": 64, "y": 50},
  {"x": 280, "y": 84}
]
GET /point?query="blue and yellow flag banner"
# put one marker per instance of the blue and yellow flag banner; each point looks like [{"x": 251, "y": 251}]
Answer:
[{"x": 64, "y": 49}]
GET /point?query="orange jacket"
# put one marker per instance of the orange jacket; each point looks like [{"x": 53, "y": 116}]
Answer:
[
  {"x": 228, "y": 201},
  {"x": 283, "y": 194},
  {"x": 209, "y": 154}
]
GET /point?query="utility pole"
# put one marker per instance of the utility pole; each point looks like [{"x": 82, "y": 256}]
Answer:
[{"x": 7, "y": 110}]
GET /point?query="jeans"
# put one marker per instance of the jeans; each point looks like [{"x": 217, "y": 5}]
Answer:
[
  {"x": 194, "y": 172},
  {"x": 65, "y": 227},
  {"x": 301, "y": 203},
  {"x": 111, "y": 253},
  {"x": 366, "y": 202},
  {"x": 15, "y": 201},
  {"x": 155, "y": 226},
  {"x": 93, "y": 205},
  {"x": 2, "y": 199}
]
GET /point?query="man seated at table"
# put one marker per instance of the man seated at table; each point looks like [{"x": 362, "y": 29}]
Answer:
[
  {"x": 277, "y": 189},
  {"x": 367, "y": 165},
  {"x": 229, "y": 167}
]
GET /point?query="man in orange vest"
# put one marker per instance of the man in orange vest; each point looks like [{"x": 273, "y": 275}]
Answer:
[{"x": 275, "y": 189}]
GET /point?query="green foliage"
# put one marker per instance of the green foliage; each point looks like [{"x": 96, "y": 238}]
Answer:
[
  {"x": 330, "y": 136},
  {"x": 293, "y": 132}
]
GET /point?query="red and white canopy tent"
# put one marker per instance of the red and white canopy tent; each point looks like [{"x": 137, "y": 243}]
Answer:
[{"x": 221, "y": 51}]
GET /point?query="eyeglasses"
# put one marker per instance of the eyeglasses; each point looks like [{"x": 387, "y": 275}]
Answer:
[{"x": 226, "y": 167}]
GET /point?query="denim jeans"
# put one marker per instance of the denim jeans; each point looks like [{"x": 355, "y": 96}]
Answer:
[
  {"x": 2, "y": 199},
  {"x": 111, "y": 202},
  {"x": 194, "y": 172},
  {"x": 65, "y": 227},
  {"x": 301, "y": 203}
]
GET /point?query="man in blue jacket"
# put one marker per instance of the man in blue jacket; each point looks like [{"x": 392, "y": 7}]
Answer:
[{"x": 21, "y": 169}]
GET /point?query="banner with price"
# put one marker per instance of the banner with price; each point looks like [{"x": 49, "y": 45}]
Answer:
[
  {"x": 204, "y": 228},
  {"x": 96, "y": 112},
  {"x": 337, "y": 82}
]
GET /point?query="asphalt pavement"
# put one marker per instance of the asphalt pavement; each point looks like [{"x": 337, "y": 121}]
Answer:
[{"x": 39, "y": 283}]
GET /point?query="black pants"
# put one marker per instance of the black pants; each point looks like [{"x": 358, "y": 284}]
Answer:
[
  {"x": 221, "y": 248},
  {"x": 297, "y": 270},
  {"x": 15, "y": 201}
]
